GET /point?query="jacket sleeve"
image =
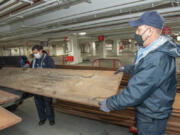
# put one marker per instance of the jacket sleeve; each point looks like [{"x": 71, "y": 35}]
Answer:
[
  {"x": 50, "y": 62},
  {"x": 128, "y": 69},
  {"x": 140, "y": 86}
]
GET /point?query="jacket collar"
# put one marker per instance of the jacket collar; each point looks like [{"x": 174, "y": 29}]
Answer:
[{"x": 162, "y": 40}]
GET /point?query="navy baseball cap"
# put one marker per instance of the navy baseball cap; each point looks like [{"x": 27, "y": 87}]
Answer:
[{"x": 150, "y": 18}]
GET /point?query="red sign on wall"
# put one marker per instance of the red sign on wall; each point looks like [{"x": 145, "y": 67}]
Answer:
[
  {"x": 166, "y": 31},
  {"x": 100, "y": 37},
  {"x": 70, "y": 58},
  {"x": 121, "y": 47},
  {"x": 66, "y": 39}
]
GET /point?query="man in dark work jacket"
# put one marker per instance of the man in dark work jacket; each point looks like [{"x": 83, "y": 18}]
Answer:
[{"x": 43, "y": 104}]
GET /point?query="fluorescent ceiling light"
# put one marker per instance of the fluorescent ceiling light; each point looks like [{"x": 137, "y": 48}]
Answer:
[
  {"x": 82, "y": 33},
  {"x": 178, "y": 38}
]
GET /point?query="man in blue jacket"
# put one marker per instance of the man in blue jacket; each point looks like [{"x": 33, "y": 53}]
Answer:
[
  {"x": 152, "y": 85},
  {"x": 43, "y": 104}
]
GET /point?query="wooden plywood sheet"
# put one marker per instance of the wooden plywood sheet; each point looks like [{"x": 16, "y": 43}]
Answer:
[
  {"x": 83, "y": 86},
  {"x": 176, "y": 105},
  {"x": 7, "y": 97},
  {"x": 7, "y": 118}
]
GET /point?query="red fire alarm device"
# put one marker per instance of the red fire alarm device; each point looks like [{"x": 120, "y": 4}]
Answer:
[
  {"x": 166, "y": 30},
  {"x": 70, "y": 58},
  {"x": 101, "y": 38}
]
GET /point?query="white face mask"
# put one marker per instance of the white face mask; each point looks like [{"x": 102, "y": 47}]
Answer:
[{"x": 37, "y": 56}]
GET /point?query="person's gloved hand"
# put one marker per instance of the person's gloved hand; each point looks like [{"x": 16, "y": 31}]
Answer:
[
  {"x": 103, "y": 106},
  {"x": 120, "y": 69}
]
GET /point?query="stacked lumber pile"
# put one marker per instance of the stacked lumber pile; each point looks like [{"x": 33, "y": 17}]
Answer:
[
  {"x": 178, "y": 84},
  {"x": 124, "y": 117},
  {"x": 6, "y": 97},
  {"x": 7, "y": 118},
  {"x": 173, "y": 125}
]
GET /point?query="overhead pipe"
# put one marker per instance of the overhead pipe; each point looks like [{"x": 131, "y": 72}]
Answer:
[
  {"x": 99, "y": 30},
  {"x": 27, "y": 1},
  {"x": 112, "y": 20},
  {"x": 35, "y": 7},
  {"x": 3, "y": 6},
  {"x": 1, "y": 1},
  {"x": 40, "y": 9},
  {"x": 18, "y": 9},
  {"x": 62, "y": 20},
  {"x": 100, "y": 22},
  {"x": 11, "y": 8},
  {"x": 91, "y": 24},
  {"x": 88, "y": 25},
  {"x": 95, "y": 13},
  {"x": 30, "y": 9}
]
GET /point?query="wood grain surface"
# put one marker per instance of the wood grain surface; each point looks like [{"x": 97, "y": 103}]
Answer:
[
  {"x": 83, "y": 86},
  {"x": 6, "y": 97},
  {"x": 7, "y": 119}
]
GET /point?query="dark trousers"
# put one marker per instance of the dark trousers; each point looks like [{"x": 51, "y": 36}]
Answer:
[
  {"x": 150, "y": 126},
  {"x": 44, "y": 107}
]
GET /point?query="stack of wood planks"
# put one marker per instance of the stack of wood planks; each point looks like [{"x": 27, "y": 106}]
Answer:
[
  {"x": 7, "y": 118},
  {"x": 173, "y": 125},
  {"x": 125, "y": 117},
  {"x": 6, "y": 97},
  {"x": 178, "y": 84}
]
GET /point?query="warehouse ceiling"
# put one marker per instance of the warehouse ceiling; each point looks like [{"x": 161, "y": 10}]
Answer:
[{"x": 24, "y": 21}]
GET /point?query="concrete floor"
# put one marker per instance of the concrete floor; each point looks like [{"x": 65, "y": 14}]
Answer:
[{"x": 65, "y": 124}]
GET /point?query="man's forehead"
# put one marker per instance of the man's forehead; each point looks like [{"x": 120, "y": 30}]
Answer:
[
  {"x": 141, "y": 26},
  {"x": 35, "y": 50}
]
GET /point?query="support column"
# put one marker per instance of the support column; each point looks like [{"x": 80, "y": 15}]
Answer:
[
  {"x": 102, "y": 49},
  {"x": 116, "y": 47},
  {"x": 21, "y": 51},
  {"x": 75, "y": 50},
  {"x": 1, "y": 51},
  {"x": 93, "y": 48},
  {"x": 53, "y": 50},
  {"x": 87, "y": 48}
]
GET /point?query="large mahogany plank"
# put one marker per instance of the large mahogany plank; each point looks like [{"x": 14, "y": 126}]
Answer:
[{"x": 83, "y": 86}]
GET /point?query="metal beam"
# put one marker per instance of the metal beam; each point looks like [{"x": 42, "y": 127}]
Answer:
[{"x": 28, "y": 1}]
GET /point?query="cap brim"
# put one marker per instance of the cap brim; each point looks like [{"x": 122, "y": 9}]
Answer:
[{"x": 135, "y": 23}]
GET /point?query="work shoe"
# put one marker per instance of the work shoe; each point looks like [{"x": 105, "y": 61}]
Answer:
[
  {"x": 41, "y": 122},
  {"x": 52, "y": 122}
]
